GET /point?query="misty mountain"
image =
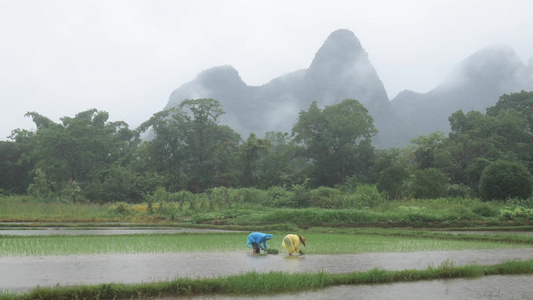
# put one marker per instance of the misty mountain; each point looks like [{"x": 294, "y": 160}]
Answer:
[
  {"x": 340, "y": 70},
  {"x": 476, "y": 84}
]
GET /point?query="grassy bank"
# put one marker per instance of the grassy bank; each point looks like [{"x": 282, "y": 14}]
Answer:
[
  {"x": 227, "y": 207},
  {"x": 268, "y": 283}
]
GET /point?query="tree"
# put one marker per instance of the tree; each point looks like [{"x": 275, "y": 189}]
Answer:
[
  {"x": 427, "y": 147},
  {"x": 429, "y": 184},
  {"x": 251, "y": 152},
  {"x": 282, "y": 163},
  {"x": 336, "y": 140},
  {"x": 166, "y": 153},
  {"x": 521, "y": 102},
  {"x": 392, "y": 181},
  {"x": 383, "y": 159},
  {"x": 476, "y": 139},
  {"x": 502, "y": 180},
  {"x": 189, "y": 146},
  {"x": 123, "y": 184},
  {"x": 16, "y": 162},
  {"x": 211, "y": 146},
  {"x": 79, "y": 150},
  {"x": 40, "y": 188}
]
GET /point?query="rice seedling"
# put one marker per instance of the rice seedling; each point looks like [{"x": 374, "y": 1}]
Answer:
[
  {"x": 272, "y": 251},
  {"x": 318, "y": 243}
]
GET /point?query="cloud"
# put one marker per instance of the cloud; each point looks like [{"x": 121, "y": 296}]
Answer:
[{"x": 60, "y": 57}]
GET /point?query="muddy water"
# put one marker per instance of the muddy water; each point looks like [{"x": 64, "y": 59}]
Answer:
[
  {"x": 527, "y": 233},
  {"x": 490, "y": 287},
  {"x": 24, "y": 273},
  {"x": 24, "y": 230}
]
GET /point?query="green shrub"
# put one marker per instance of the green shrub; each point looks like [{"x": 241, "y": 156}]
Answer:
[
  {"x": 253, "y": 196},
  {"x": 121, "y": 185},
  {"x": 123, "y": 208},
  {"x": 485, "y": 210},
  {"x": 505, "y": 179},
  {"x": 459, "y": 191},
  {"x": 225, "y": 197},
  {"x": 318, "y": 217},
  {"x": 301, "y": 196},
  {"x": 181, "y": 196},
  {"x": 160, "y": 195},
  {"x": 325, "y": 197},
  {"x": 392, "y": 182},
  {"x": 364, "y": 196},
  {"x": 414, "y": 213},
  {"x": 280, "y": 197},
  {"x": 516, "y": 213},
  {"x": 40, "y": 188}
]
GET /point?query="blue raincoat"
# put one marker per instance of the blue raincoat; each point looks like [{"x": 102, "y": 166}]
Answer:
[{"x": 260, "y": 239}]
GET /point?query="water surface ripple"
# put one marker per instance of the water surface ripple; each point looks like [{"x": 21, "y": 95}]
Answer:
[{"x": 22, "y": 273}]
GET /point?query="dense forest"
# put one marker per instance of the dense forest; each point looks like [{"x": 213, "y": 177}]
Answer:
[{"x": 87, "y": 158}]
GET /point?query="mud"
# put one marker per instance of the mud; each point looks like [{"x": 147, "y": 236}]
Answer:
[{"x": 24, "y": 273}]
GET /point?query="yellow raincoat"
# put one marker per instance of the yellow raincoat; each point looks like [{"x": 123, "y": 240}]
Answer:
[{"x": 291, "y": 243}]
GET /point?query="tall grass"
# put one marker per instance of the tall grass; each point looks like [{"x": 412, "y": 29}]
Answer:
[
  {"x": 403, "y": 215},
  {"x": 302, "y": 207},
  {"x": 267, "y": 283},
  {"x": 11, "y": 211}
]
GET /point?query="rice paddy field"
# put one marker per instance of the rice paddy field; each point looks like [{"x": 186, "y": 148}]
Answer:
[
  {"x": 342, "y": 249},
  {"x": 318, "y": 243},
  {"x": 410, "y": 241}
]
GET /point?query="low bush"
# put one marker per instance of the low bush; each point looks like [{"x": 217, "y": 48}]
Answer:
[
  {"x": 324, "y": 197},
  {"x": 516, "y": 213},
  {"x": 280, "y": 197},
  {"x": 485, "y": 210},
  {"x": 364, "y": 197}
]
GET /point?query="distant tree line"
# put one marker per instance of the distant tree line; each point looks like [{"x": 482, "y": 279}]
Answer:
[{"x": 89, "y": 158}]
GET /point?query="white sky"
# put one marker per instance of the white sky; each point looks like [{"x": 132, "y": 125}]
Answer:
[{"x": 61, "y": 57}]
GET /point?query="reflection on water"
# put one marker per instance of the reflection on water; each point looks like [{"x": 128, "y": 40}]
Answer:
[
  {"x": 102, "y": 231},
  {"x": 28, "y": 272},
  {"x": 484, "y": 232},
  {"x": 25, "y": 273}
]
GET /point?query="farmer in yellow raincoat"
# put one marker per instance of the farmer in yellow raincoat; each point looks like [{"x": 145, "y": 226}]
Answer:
[{"x": 291, "y": 243}]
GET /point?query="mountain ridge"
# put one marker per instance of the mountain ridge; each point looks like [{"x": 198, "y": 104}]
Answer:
[
  {"x": 475, "y": 84},
  {"x": 341, "y": 69}
]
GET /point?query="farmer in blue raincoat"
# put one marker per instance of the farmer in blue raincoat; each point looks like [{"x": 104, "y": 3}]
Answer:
[{"x": 258, "y": 241}]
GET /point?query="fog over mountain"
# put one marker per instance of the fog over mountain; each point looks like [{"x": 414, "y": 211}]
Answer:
[
  {"x": 476, "y": 84},
  {"x": 340, "y": 70}
]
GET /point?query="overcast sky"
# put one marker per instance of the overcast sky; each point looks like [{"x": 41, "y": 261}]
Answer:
[{"x": 58, "y": 58}]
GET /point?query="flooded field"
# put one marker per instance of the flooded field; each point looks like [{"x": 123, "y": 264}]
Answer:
[
  {"x": 27, "y": 272},
  {"x": 491, "y": 288},
  {"x": 482, "y": 232},
  {"x": 103, "y": 231}
]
